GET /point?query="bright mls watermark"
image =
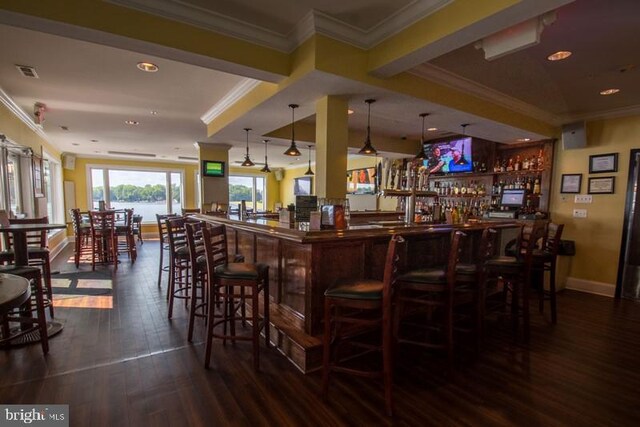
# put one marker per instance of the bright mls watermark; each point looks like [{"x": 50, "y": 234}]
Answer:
[{"x": 38, "y": 415}]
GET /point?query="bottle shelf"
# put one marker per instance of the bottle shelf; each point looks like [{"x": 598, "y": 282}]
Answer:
[{"x": 520, "y": 172}]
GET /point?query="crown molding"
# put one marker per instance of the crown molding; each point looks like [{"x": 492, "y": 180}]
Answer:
[
  {"x": 313, "y": 22},
  {"x": 631, "y": 110},
  {"x": 446, "y": 78},
  {"x": 8, "y": 102},
  {"x": 236, "y": 93}
]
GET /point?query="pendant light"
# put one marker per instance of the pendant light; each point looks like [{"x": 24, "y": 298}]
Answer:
[
  {"x": 462, "y": 160},
  {"x": 421, "y": 154},
  {"x": 266, "y": 164},
  {"x": 309, "y": 171},
  {"x": 368, "y": 148},
  {"x": 293, "y": 150},
  {"x": 247, "y": 160}
]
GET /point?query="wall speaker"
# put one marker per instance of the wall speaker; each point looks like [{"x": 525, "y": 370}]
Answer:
[
  {"x": 69, "y": 161},
  {"x": 574, "y": 135},
  {"x": 279, "y": 174}
]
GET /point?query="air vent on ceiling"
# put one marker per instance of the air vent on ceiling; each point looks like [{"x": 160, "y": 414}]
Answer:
[
  {"x": 126, "y": 153},
  {"x": 192, "y": 159},
  {"x": 27, "y": 71}
]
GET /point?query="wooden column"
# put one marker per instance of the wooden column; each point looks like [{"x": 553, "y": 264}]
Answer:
[{"x": 332, "y": 136}]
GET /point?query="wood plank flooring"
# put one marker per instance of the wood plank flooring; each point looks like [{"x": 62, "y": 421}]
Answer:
[{"x": 130, "y": 366}]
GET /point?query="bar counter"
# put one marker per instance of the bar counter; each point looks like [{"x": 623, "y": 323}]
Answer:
[{"x": 303, "y": 263}]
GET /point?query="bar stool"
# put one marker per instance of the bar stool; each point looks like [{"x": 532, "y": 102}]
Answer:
[
  {"x": 164, "y": 244},
  {"x": 425, "y": 291},
  {"x": 179, "y": 265},
  {"x": 545, "y": 260},
  {"x": 198, "y": 263},
  {"x": 223, "y": 277},
  {"x": 355, "y": 306},
  {"x": 22, "y": 310},
  {"x": 81, "y": 234},
  {"x": 125, "y": 230},
  {"x": 104, "y": 244},
  {"x": 515, "y": 273}
]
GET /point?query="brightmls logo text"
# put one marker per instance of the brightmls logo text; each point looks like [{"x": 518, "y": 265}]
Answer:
[{"x": 39, "y": 415}]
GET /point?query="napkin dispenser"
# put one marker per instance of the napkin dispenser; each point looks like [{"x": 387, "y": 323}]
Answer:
[{"x": 333, "y": 217}]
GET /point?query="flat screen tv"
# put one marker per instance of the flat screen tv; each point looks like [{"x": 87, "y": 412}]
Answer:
[
  {"x": 303, "y": 186},
  {"x": 212, "y": 168},
  {"x": 449, "y": 156},
  {"x": 361, "y": 181},
  {"x": 512, "y": 198}
]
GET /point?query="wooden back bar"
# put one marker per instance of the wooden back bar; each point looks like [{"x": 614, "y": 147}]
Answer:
[{"x": 304, "y": 263}]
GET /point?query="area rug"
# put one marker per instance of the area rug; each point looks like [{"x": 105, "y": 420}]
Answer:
[{"x": 82, "y": 289}]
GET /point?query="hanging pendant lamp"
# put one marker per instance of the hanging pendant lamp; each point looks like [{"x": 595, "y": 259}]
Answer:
[
  {"x": 309, "y": 171},
  {"x": 293, "y": 150},
  {"x": 247, "y": 160},
  {"x": 462, "y": 160},
  {"x": 368, "y": 148},
  {"x": 421, "y": 154},
  {"x": 265, "y": 169}
]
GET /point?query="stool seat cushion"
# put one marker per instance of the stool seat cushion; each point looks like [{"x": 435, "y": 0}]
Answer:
[
  {"x": 424, "y": 275},
  {"x": 466, "y": 268},
  {"x": 238, "y": 258},
  {"x": 505, "y": 262},
  {"x": 201, "y": 260},
  {"x": 540, "y": 255},
  {"x": 182, "y": 251},
  {"x": 31, "y": 250},
  {"x": 362, "y": 289},
  {"x": 19, "y": 270},
  {"x": 240, "y": 270}
]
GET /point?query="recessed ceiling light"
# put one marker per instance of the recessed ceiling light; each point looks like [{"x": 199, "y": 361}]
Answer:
[
  {"x": 176, "y": 148},
  {"x": 64, "y": 128},
  {"x": 559, "y": 55},
  {"x": 609, "y": 91},
  {"x": 147, "y": 66},
  {"x": 349, "y": 111},
  {"x": 432, "y": 129},
  {"x": 524, "y": 139},
  {"x": 96, "y": 152},
  {"x": 75, "y": 143},
  {"x": 94, "y": 140},
  {"x": 154, "y": 112},
  {"x": 132, "y": 122}
]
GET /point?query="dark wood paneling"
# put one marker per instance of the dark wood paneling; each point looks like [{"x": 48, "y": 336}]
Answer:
[
  {"x": 267, "y": 250},
  {"x": 247, "y": 245},
  {"x": 296, "y": 275}
]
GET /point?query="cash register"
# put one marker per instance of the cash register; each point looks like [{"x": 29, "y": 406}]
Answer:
[{"x": 511, "y": 201}]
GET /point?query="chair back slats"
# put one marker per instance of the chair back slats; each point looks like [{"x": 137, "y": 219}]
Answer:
[
  {"x": 393, "y": 265},
  {"x": 176, "y": 232},
  {"x": 102, "y": 221},
  {"x": 488, "y": 245},
  {"x": 162, "y": 225},
  {"x": 455, "y": 250},
  {"x": 214, "y": 238},
  {"x": 552, "y": 238},
  {"x": 537, "y": 234},
  {"x": 194, "y": 240},
  {"x": 35, "y": 239}
]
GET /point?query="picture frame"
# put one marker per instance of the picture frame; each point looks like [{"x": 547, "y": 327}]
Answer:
[
  {"x": 603, "y": 163},
  {"x": 38, "y": 179},
  {"x": 602, "y": 185},
  {"x": 571, "y": 183}
]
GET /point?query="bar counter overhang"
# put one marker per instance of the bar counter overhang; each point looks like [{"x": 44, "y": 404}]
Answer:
[{"x": 303, "y": 263}]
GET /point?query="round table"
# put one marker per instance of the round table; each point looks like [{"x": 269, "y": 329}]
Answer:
[
  {"x": 19, "y": 231},
  {"x": 14, "y": 291}
]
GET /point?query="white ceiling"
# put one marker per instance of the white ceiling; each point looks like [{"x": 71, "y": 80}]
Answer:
[{"x": 92, "y": 89}]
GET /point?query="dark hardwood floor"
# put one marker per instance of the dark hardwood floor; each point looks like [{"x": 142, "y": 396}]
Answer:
[{"x": 130, "y": 366}]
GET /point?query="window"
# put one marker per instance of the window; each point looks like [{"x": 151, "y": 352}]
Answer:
[
  {"x": 53, "y": 189},
  {"x": 13, "y": 181},
  {"x": 147, "y": 191},
  {"x": 251, "y": 189}
]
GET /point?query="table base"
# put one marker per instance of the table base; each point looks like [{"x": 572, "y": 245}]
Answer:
[{"x": 33, "y": 337}]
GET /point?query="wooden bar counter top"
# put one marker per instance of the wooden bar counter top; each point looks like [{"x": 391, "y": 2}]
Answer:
[{"x": 303, "y": 263}]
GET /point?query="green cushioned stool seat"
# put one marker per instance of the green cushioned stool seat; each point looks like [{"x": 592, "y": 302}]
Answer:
[
  {"x": 356, "y": 289},
  {"x": 237, "y": 270},
  {"x": 542, "y": 256},
  {"x": 19, "y": 270},
  {"x": 424, "y": 275},
  {"x": 505, "y": 263}
]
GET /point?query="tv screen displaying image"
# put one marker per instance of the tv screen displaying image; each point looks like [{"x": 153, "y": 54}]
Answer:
[
  {"x": 361, "y": 181},
  {"x": 303, "y": 186},
  {"x": 212, "y": 168},
  {"x": 512, "y": 198},
  {"x": 450, "y": 156}
]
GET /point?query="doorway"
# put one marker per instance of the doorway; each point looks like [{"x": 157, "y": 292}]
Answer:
[{"x": 628, "y": 283}]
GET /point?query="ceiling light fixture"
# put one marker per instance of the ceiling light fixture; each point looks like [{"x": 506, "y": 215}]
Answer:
[
  {"x": 153, "y": 112},
  {"x": 432, "y": 129},
  {"x": 368, "y": 148},
  {"x": 609, "y": 91},
  {"x": 524, "y": 139},
  {"x": 309, "y": 171},
  {"x": 559, "y": 55},
  {"x": 293, "y": 150},
  {"x": 265, "y": 169},
  {"x": 421, "y": 154},
  {"x": 247, "y": 160},
  {"x": 131, "y": 122},
  {"x": 94, "y": 140},
  {"x": 350, "y": 111},
  {"x": 147, "y": 66}
]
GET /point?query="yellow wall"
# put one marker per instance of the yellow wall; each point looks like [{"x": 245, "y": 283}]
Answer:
[{"x": 598, "y": 236}]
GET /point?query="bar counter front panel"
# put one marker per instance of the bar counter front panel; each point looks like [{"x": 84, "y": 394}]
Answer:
[{"x": 303, "y": 263}]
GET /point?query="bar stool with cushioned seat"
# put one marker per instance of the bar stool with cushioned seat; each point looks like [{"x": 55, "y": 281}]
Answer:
[
  {"x": 179, "y": 265},
  {"x": 515, "y": 273},
  {"x": 35, "y": 303},
  {"x": 81, "y": 234},
  {"x": 223, "y": 277},
  {"x": 355, "y": 306},
  {"x": 198, "y": 263},
  {"x": 104, "y": 244},
  {"x": 124, "y": 230},
  {"x": 164, "y": 244},
  {"x": 545, "y": 260},
  {"x": 425, "y": 291}
]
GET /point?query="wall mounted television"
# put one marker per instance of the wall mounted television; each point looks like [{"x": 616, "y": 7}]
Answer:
[
  {"x": 449, "y": 156},
  {"x": 303, "y": 186},
  {"x": 513, "y": 198},
  {"x": 213, "y": 168},
  {"x": 362, "y": 181}
]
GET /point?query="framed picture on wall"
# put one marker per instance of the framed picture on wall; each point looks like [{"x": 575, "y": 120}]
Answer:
[
  {"x": 571, "y": 183},
  {"x": 602, "y": 163},
  {"x": 604, "y": 185},
  {"x": 38, "y": 179}
]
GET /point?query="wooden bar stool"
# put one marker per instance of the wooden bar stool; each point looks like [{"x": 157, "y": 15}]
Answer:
[
  {"x": 545, "y": 260},
  {"x": 179, "y": 265},
  {"x": 223, "y": 277},
  {"x": 425, "y": 292},
  {"x": 104, "y": 244},
  {"x": 164, "y": 245},
  {"x": 124, "y": 236},
  {"x": 81, "y": 234},
  {"x": 198, "y": 263},
  {"x": 353, "y": 307}
]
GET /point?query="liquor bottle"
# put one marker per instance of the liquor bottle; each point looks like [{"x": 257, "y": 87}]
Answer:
[
  {"x": 525, "y": 164},
  {"x": 517, "y": 165},
  {"x": 456, "y": 189},
  {"x": 536, "y": 186},
  {"x": 540, "y": 160},
  {"x": 463, "y": 189},
  {"x": 496, "y": 167},
  {"x": 528, "y": 185},
  {"x": 510, "y": 165}
]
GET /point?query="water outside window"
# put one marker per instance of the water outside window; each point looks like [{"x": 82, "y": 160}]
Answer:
[{"x": 144, "y": 191}]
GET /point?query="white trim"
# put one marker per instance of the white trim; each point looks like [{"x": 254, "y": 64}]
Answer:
[
  {"x": 54, "y": 252},
  {"x": 590, "y": 286},
  {"x": 235, "y": 94},
  {"x": 8, "y": 102},
  {"x": 608, "y": 114}
]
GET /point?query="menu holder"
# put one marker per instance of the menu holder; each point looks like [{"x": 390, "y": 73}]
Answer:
[{"x": 304, "y": 206}]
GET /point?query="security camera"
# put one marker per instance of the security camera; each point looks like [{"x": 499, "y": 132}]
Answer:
[{"x": 38, "y": 112}]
